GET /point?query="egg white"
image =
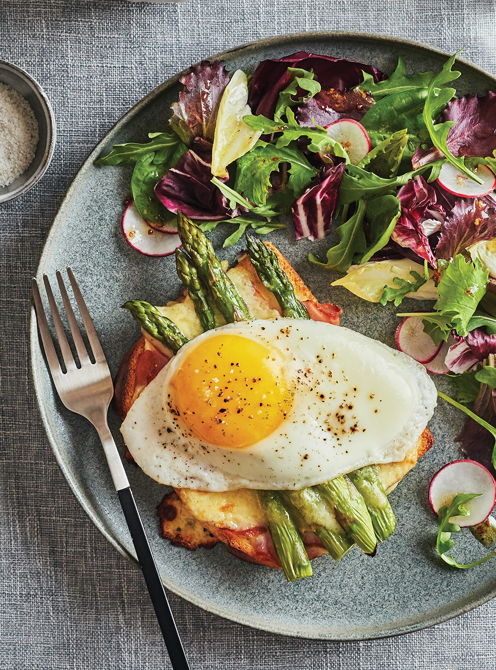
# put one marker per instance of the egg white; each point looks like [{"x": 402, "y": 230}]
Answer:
[{"x": 356, "y": 402}]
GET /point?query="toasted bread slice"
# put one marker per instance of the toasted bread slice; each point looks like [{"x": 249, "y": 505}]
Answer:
[{"x": 195, "y": 519}]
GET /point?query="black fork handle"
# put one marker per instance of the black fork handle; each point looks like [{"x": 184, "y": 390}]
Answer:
[{"x": 153, "y": 581}]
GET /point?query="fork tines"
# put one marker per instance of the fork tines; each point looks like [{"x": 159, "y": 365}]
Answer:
[{"x": 68, "y": 362}]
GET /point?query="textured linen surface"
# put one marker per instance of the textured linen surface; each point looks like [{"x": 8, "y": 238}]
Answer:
[{"x": 67, "y": 599}]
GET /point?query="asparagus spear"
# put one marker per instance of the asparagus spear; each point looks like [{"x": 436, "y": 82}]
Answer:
[
  {"x": 275, "y": 279},
  {"x": 366, "y": 480},
  {"x": 156, "y": 324},
  {"x": 287, "y": 541},
  {"x": 319, "y": 517},
  {"x": 201, "y": 299},
  {"x": 209, "y": 269},
  {"x": 368, "y": 483},
  {"x": 351, "y": 511}
]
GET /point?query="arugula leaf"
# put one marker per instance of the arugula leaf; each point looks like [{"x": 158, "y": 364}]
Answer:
[
  {"x": 253, "y": 178},
  {"x": 444, "y": 543},
  {"x": 351, "y": 242},
  {"x": 261, "y": 227},
  {"x": 460, "y": 290},
  {"x": 320, "y": 141},
  {"x": 403, "y": 287},
  {"x": 385, "y": 158},
  {"x": 401, "y": 103},
  {"x": 358, "y": 184},
  {"x": 439, "y": 132},
  {"x": 487, "y": 375},
  {"x": 149, "y": 169},
  {"x": 133, "y": 151},
  {"x": 382, "y": 214},
  {"x": 466, "y": 386},
  {"x": 236, "y": 198},
  {"x": 302, "y": 79},
  {"x": 398, "y": 82},
  {"x": 477, "y": 419}
]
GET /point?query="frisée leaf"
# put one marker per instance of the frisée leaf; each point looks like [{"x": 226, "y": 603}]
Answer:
[
  {"x": 303, "y": 80},
  {"x": 402, "y": 288},
  {"x": 446, "y": 528}
]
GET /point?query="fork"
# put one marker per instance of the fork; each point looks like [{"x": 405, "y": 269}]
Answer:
[{"x": 85, "y": 387}]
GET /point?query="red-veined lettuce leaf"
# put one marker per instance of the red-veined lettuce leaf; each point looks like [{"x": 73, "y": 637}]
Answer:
[
  {"x": 272, "y": 76},
  {"x": 467, "y": 351},
  {"x": 329, "y": 106},
  {"x": 418, "y": 203},
  {"x": 313, "y": 211},
  {"x": 467, "y": 224},
  {"x": 187, "y": 188},
  {"x": 474, "y": 132},
  {"x": 195, "y": 112}
]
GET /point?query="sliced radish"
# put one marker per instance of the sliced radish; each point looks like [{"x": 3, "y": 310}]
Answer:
[
  {"x": 352, "y": 136},
  {"x": 437, "y": 366},
  {"x": 458, "y": 183},
  {"x": 464, "y": 476},
  {"x": 411, "y": 339},
  {"x": 169, "y": 227},
  {"x": 144, "y": 239}
]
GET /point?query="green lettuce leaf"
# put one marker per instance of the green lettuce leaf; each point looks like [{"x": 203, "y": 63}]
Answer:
[
  {"x": 148, "y": 171},
  {"x": 385, "y": 158},
  {"x": 351, "y": 243},
  {"x": 382, "y": 214},
  {"x": 487, "y": 375},
  {"x": 302, "y": 80},
  {"x": 254, "y": 170},
  {"x": 462, "y": 285},
  {"x": 466, "y": 386}
]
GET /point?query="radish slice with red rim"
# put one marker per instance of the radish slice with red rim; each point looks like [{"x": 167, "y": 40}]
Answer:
[
  {"x": 145, "y": 239},
  {"x": 458, "y": 183},
  {"x": 464, "y": 476},
  {"x": 411, "y": 339},
  {"x": 352, "y": 136},
  {"x": 169, "y": 227},
  {"x": 437, "y": 366}
]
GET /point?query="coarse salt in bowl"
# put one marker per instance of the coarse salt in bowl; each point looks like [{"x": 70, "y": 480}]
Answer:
[{"x": 27, "y": 135}]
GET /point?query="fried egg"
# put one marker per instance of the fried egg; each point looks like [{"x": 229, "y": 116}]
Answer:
[{"x": 277, "y": 404}]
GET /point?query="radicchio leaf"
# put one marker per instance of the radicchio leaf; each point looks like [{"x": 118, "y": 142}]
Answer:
[
  {"x": 272, "y": 76},
  {"x": 195, "y": 113},
  {"x": 465, "y": 226},
  {"x": 187, "y": 188},
  {"x": 476, "y": 441},
  {"x": 474, "y": 133},
  {"x": 329, "y": 106},
  {"x": 313, "y": 211},
  {"x": 418, "y": 203},
  {"x": 467, "y": 351}
]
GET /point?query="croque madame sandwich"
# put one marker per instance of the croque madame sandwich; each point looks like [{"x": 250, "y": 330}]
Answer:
[{"x": 280, "y": 432}]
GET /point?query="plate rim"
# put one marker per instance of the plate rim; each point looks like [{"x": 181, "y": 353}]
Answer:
[{"x": 34, "y": 347}]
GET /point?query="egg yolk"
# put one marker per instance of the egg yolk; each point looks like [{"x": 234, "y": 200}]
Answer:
[{"x": 231, "y": 391}]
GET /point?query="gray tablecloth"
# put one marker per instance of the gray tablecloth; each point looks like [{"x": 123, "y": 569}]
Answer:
[{"x": 67, "y": 599}]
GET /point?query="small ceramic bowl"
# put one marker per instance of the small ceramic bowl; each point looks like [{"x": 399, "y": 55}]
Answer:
[{"x": 24, "y": 84}]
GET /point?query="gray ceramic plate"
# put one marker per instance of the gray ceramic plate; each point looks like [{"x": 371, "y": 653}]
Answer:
[{"x": 403, "y": 588}]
